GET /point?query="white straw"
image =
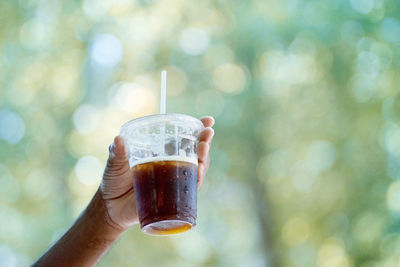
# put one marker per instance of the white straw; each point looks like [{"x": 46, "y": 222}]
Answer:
[{"x": 163, "y": 92}]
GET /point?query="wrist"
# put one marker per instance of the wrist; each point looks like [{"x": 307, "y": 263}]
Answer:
[{"x": 98, "y": 212}]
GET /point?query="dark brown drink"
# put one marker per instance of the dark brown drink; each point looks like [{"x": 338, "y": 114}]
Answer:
[{"x": 166, "y": 196}]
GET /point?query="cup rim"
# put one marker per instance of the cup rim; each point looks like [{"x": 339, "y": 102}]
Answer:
[{"x": 159, "y": 118}]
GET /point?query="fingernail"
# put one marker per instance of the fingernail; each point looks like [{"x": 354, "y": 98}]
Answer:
[{"x": 111, "y": 150}]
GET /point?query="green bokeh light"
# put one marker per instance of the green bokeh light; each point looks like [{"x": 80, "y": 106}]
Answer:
[{"x": 305, "y": 162}]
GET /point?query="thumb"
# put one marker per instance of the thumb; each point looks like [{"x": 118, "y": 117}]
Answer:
[{"x": 117, "y": 153}]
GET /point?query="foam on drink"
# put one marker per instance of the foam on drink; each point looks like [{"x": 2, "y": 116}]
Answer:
[{"x": 166, "y": 158}]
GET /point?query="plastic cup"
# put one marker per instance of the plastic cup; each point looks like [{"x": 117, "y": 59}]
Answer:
[{"x": 162, "y": 152}]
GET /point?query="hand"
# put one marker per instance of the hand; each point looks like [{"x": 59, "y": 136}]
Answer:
[{"x": 117, "y": 185}]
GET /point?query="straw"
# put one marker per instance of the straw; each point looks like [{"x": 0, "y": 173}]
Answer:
[
  {"x": 163, "y": 92},
  {"x": 163, "y": 104}
]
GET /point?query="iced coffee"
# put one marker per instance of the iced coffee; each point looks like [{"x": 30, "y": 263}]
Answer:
[
  {"x": 162, "y": 151},
  {"x": 166, "y": 195}
]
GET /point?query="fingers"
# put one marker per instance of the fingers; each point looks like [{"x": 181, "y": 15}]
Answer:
[
  {"x": 202, "y": 152},
  {"x": 206, "y": 135},
  {"x": 207, "y": 121},
  {"x": 201, "y": 173},
  {"x": 203, "y": 149},
  {"x": 204, "y": 144},
  {"x": 204, "y": 162}
]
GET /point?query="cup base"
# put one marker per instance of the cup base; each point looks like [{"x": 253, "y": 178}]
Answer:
[{"x": 167, "y": 227}]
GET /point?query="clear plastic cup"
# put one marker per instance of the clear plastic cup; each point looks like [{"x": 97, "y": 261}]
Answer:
[{"x": 162, "y": 152}]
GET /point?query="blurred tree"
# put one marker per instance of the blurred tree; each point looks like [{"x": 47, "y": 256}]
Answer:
[{"x": 305, "y": 164}]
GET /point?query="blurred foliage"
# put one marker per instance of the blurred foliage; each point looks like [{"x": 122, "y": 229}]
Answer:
[{"x": 306, "y": 160}]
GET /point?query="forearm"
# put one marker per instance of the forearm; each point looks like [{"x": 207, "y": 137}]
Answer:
[{"x": 88, "y": 239}]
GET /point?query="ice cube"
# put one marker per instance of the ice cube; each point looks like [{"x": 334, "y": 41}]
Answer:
[{"x": 171, "y": 147}]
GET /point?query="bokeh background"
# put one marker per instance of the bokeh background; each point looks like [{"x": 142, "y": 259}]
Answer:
[{"x": 306, "y": 159}]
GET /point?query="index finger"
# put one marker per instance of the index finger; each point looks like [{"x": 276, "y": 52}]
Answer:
[{"x": 208, "y": 121}]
